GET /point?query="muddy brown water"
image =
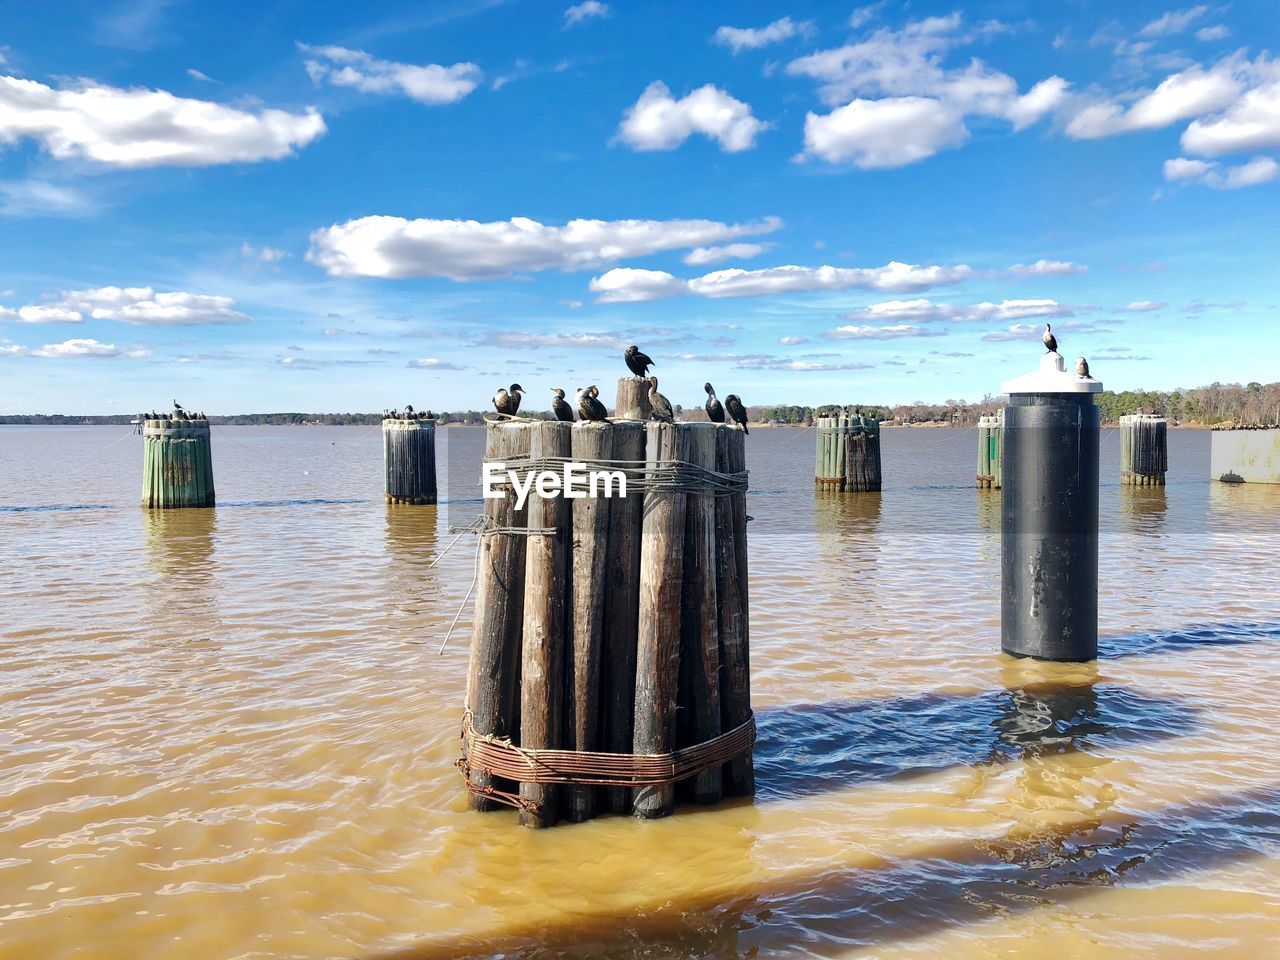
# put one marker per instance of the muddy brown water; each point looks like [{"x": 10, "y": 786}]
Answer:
[{"x": 227, "y": 733}]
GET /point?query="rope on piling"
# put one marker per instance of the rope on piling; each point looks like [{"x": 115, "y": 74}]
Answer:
[{"x": 499, "y": 757}]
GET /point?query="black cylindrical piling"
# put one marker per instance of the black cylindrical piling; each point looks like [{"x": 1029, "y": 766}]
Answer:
[
  {"x": 177, "y": 464},
  {"x": 409, "y": 460},
  {"x": 1049, "y": 518}
]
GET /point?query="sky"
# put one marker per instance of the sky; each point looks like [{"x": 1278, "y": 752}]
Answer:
[{"x": 325, "y": 206}]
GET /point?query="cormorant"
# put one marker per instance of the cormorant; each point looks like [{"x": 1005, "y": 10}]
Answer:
[
  {"x": 408, "y": 409},
  {"x": 1050, "y": 341},
  {"x": 508, "y": 401},
  {"x": 177, "y": 405},
  {"x": 661, "y": 406},
  {"x": 637, "y": 362},
  {"x": 1082, "y": 367},
  {"x": 715, "y": 410},
  {"x": 559, "y": 407},
  {"x": 737, "y": 412},
  {"x": 589, "y": 405}
]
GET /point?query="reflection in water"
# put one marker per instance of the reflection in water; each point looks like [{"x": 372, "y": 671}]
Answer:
[
  {"x": 183, "y": 599},
  {"x": 1260, "y": 501},
  {"x": 411, "y": 546},
  {"x": 989, "y": 501},
  {"x": 1142, "y": 509}
]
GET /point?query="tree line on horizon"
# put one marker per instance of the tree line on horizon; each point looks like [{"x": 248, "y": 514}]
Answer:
[{"x": 1252, "y": 404}]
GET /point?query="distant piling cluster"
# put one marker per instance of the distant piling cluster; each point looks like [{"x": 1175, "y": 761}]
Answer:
[
  {"x": 409, "y": 458},
  {"x": 1144, "y": 450},
  {"x": 991, "y": 451},
  {"x": 609, "y": 654},
  {"x": 848, "y": 453},
  {"x": 177, "y": 464}
]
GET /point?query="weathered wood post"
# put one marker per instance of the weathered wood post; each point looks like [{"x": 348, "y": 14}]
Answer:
[
  {"x": 658, "y": 643},
  {"x": 622, "y": 606},
  {"x": 546, "y": 594},
  {"x": 990, "y": 450},
  {"x": 862, "y": 461},
  {"x": 1144, "y": 449},
  {"x": 592, "y": 443},
  {"x": 409, "y": 460},
  {"x": 177, "y": 462},
  {"x": 633, "y": 399},
  {"x": 493, "y": 674},
  {"x": 734, "y": 620},
  {"x": 699, "y": 718}
]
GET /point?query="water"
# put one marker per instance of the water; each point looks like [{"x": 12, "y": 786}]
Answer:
[{"x": 227, "y": 733}]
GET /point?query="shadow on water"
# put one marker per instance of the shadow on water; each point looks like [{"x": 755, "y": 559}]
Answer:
[
  {"x": 810, "y": 748},
  {"x": 54, "y": 507},
  {"x": 1196, "y": 635},
  {"x": 951, "y": 885}
]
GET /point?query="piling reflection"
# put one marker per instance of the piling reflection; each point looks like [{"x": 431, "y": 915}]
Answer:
[
  {"x": 1142, "y": 509},
  {"x": 989, "y": 501},
  {"x": 182, "y": 601},
  {"x": 412, "y": 540}
]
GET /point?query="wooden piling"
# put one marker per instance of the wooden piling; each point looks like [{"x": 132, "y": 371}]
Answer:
[
  {"x": 862, "y": 457},
  {"x": 990, "y": 450},
  {"x": 493, "y": 675},
  {"x": 177, "y": 463},
  {"x": 409, "y": 460},
  {"x": 633, "y": 399},
  {"x": 546, "y": 589},
  {"x": 1144, "y": 450},
  {"x": 698, "y": 719},
  {"x": 733, "y": 624},
  {"x": 591, "y": 443},
  {"x": 658, "y": 644},
  {"x": 622, "y": 608}
]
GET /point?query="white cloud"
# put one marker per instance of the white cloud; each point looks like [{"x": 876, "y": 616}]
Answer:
[
  {"x": 264, "y": 253},
  {"x": 1042, "y": 99},
  {"x": 925, "y": 311},
  {"x": 1175, "y": 21},
  {"x": 431, "y": 363},
  {"x": 1034, "y": 331},
  {"x": 861, "y": 15},
  {"x": 146, "y": 128},
  {"x": 393, "y": 247},
  {"x": 203, "y": 77},
  {"x": 1256, "y": 171},
  {"x": 140, "y": 306},
  {"x": 88, "y": 348},
  {"x": 429, "y": 84},
  {"x": 1181, "y": 168},
  {"x": 572, "y": 341},
  {"x": 701, "y": 256},
  {"x": 1188, "y": 93},
  {"x": 1045, "y": 268},
  {"x": 883, "y": 133},
  {"x": 1250, "y": 123},
  {"x": 630, "y": 285},
  {"x": 1144, "y": 306},
  {"x": 753, "y": 38},
  {"x": 657, "y": 121},
  {"x": 792, "y": 341},
  {"x": 1216, "y": 32},
  {"x": 588, "y": 10},
  {"x": 893, "y": 332}
]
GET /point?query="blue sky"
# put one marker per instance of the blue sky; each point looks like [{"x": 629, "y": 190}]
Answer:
[{"x": 332, "y": 206}]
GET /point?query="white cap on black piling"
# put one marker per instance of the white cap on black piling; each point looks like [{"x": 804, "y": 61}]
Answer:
[{"x": 1052, "y": 377}]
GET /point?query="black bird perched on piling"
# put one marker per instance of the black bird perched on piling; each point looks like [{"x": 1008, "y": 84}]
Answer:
[
  {"x": 559, "y": 407},
  {"x": 508, "y": 401},
  {"x": 737, "y": 412},
  {"x": 715, "y": 410},
  {"x": 1050, "y": 341},
  {"x": 589, "y": 405},
  {"x": 1082, "y": 367},
  {"x": 408, "y": 410},
  {"x": 662, "y": 411},
  {"x": 637, "y": 362},
  {"x": 177, "y": 405}
]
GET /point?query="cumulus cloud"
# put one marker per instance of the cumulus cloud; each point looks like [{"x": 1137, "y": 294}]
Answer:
[
  {"x": 1045, "y": 268},
  {"x": 701, "y": 256},
  {"x": 924, "y": 311},
  {"x": 83, "y": 348},
  {"x": 588, "y": 10},
  {"x": 1188, "y": 93},
  {"x": 1216, "y": 32},
  {"x": 1034, "y": 331},
  {"x": 892, "y": 332},
  {"x": 393, "y": 247},
  {"x": 753, "y": 38},
  {"x": 631, "y": 285},
  {"x": 431, "y": 363},
  {"x": 792, "y": 341},
  {"x": 1211, "y": 173},
  {"x": 657, "y": 121},
  {"x": 1172, "y": 22},
  {"x": 1144, "y": 306},
  {"x": 430, "y": 84},
  {"x": 1250, "y": 123},
  {"x": 139, "y": 306},
  {"x": 146, "y": 128},
  {"x": 896, "y": 103}
]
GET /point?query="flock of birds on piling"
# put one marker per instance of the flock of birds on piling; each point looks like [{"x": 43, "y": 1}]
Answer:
[
  {"x": 408, "y": 413},
  {"x": 178, "y": 414},
  {"x": 1051, "y": 344},
  {"x": 589, "y": 408}
]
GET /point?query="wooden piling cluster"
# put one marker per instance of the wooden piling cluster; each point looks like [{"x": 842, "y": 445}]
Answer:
[
  {"x": 848, "y": 453},
  {"x": 611, "y": 632},
  {"x": 991, "y": 450},
  {"x": 409, "y": 459},
  {"x": 177, "y": 462},
  {"x": 1144, "y": 449}
]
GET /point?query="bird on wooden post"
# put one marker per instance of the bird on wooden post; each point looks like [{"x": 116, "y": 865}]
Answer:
[
  {"x": 508, "y": 401},
  {"x": 177, "y": 405},
  {"x": 559, "y": 407},
  {"x": 637, "y": 362},
  {"x": 737, "y": 412},
  {"x": 1082, "y": 367},
  {"x": 589, "y": 405},
  {"x": 408, "y": 411},
  {"x": 662, "y": 411},
  {"x": 715, "y": 410},
  {"x": 1050, "y": 341}
]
